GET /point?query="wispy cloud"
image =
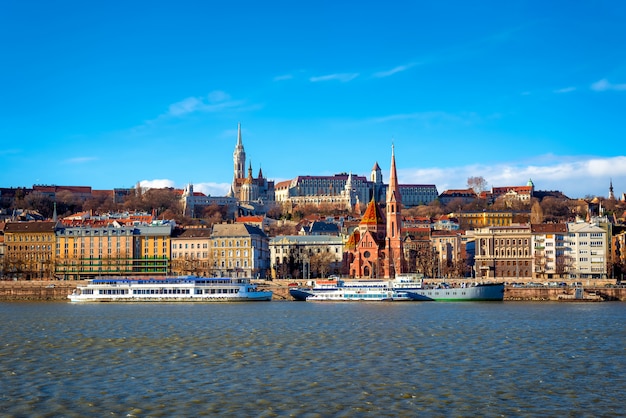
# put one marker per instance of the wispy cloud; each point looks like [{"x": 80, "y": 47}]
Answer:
[
  {"x": 574, "y": 176},
  {"x": 343, "y": 77},
  {"x": 79, "y": 160},
  {"x": 213, "y": 102},
  {"x": 434, "y": 116},
  {"x": 395, "y": 70},
  {"x": 565, "y": 90},
  {"x": 605, "y": 85}
]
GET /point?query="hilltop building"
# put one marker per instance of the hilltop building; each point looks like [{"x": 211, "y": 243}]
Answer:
[
  {"x": 254, "y": 194},
  {"x": 348, "y": 190}
]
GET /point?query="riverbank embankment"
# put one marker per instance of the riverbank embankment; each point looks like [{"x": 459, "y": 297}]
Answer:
[{"x": 57, "y": 290}]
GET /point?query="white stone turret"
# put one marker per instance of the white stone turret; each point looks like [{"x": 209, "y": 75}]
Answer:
[{"x": 239, "y": 158}]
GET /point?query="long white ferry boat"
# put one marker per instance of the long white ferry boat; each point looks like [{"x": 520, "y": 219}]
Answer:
[
  {"x": 359, "y": 290},
  {"x": 406, "y": 287},
  {"x": 169, "y": 289}
]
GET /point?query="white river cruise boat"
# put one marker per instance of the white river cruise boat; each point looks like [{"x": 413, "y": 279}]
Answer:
[
  {"x": 372, "y": 290},
  {"x": 169, "y": 289}
]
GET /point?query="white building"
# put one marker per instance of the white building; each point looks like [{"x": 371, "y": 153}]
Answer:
[
  {"x": 306, "y": 255},
  {"x": 587, "y": 246}
]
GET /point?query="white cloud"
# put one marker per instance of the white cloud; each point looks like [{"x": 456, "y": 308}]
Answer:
[
  {"x": 156, "y": 184},
  {"x": 398, "y": 69},
  {"x": 574, "y": 176},
  {"x": 343, "y": 77},
  {"x": 212, "y": 189},
  {"x": 605, "y": 85},
  {"x": 565, "y": 90},
  {"x": 208, "y": 188}
]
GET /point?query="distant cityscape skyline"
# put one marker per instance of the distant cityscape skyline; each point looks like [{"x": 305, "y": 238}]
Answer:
[{"x": 152, "y": 92}]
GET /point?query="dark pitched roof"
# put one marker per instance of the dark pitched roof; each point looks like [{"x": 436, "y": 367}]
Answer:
[{"x": 17, "y": 227}]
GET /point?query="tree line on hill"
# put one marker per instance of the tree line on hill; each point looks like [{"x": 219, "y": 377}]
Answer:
[{"x": 166, "y": 204}]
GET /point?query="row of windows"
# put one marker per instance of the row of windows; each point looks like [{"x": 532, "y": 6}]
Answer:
[
  {"x": 197, "y": 255},
  {"x": 511, "y": 253},
  {"x": 33, "y": 257},
  {"x": 27, "y": 238},
  {"x": 236, "y": 264},
  {"x": 222, "y": 243},
  {"x": 95, "y": 232},
  {"x": 187, "y": 245}
]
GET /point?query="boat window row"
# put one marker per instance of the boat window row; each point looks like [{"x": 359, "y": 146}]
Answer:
[
  {"x": 216, "y": 291},
  {"x": 113, "y": 291},
  {"x": 161, "y": 291}
]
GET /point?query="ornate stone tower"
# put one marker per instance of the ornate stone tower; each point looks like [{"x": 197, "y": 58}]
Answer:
[
  {"x": 239, "y": 159},
  {"x": 349, "y": 193},
  {"x": 393, "y": 247},
  {"x": 376, "y": 177}
]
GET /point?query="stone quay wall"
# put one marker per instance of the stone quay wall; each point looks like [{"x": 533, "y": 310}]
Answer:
[{"x": 57, "y": 290}]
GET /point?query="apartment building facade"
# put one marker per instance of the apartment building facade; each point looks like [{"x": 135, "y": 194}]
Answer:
[
  {"x": 29, "y": 250},
  {"x": 306, "y": 256},
  {"x": 240, "y": 250}
]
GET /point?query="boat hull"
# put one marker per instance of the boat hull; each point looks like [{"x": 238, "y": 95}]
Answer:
[
  {"x": 261, "y": 296},
  {"x": 481, "y": 292},
  {"x": 300, "y": 294}
]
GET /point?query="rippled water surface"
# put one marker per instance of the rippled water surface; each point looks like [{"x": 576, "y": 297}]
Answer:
[{"x": 307, "y": 359}]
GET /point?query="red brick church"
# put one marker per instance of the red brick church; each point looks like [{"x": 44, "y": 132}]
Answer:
[{"x": 375, "y": 247}]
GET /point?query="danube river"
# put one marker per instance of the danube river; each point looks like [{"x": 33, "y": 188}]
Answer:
[{"x": 307, "y": 359}]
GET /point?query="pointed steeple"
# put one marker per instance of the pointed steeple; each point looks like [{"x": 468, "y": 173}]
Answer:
[
  {"x": 239, "y": 143},
  {"x": 611, "y": 195},
  {"x": 393, "y": 193},
  {"x": 239, "y": 158}
]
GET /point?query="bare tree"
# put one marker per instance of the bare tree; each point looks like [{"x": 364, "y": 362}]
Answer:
[
  {"x": 478, "y": 184},
  {"x": 536, "y": 213}
]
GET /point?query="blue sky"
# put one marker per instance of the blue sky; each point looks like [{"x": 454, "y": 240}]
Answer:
[{"x": 108, "y": 94}]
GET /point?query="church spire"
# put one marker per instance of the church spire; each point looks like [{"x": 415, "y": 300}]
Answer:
[
  {"x": 239, "y": 159},
  {"x": 395, "y": 253},
  {"x": 393, "y": 192}
]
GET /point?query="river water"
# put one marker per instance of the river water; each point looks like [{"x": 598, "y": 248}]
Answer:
[{"x": 306, "y": 359}]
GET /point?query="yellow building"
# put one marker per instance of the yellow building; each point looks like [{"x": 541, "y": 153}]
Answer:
[
  {"x": 152, "y": 248},
  {"x": 84, "y": 252},
  {"x": 240, "y": 250},
  {"x": 29, "y": 250},
  {"x": 471, "y": 220}
]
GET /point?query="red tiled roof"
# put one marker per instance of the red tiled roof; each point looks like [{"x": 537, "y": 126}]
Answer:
[{"x": 372, "y": 215}]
